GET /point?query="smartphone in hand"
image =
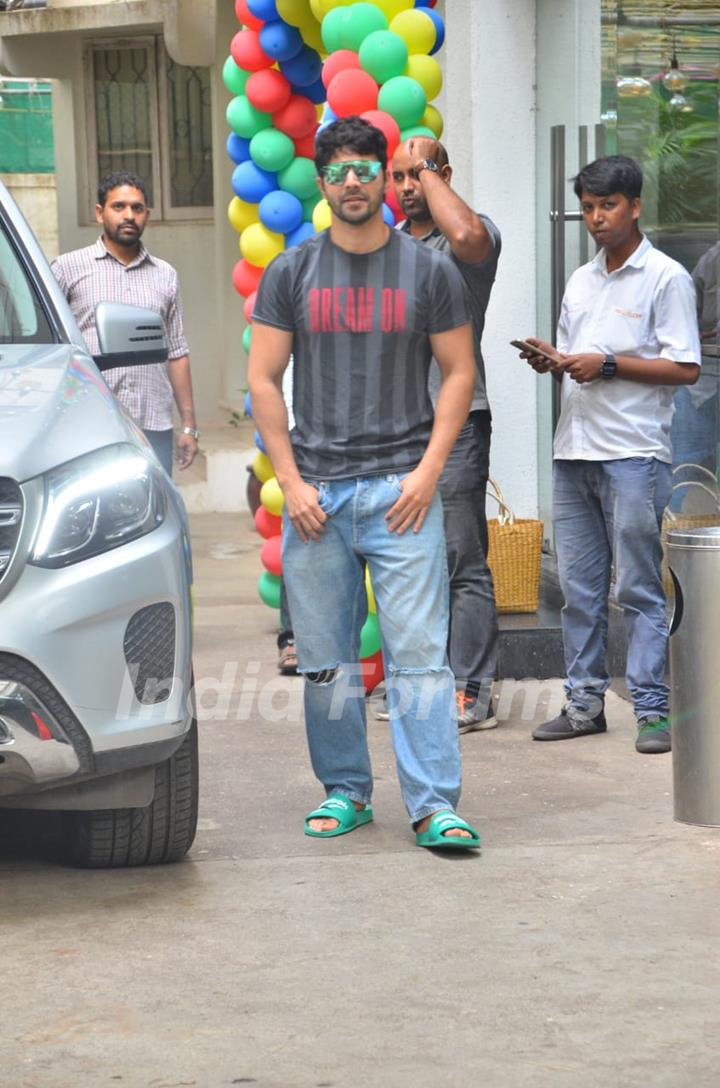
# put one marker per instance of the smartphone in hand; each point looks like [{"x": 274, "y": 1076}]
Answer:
[{"x": 532, "y": 349}]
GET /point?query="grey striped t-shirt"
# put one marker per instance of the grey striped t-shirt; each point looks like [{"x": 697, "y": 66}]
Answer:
[{"x": 361, "y": 325}]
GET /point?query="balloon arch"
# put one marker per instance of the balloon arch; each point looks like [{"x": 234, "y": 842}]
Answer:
[{"x": 295, "y": 66}]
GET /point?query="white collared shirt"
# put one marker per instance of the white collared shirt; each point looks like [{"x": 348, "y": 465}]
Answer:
[{"x": 646, "y": 308}]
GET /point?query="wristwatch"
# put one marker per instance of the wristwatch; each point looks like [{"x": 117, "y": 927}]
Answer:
[
  {"x": 427, "y": 164},
  {"x": 191, "y": 431},
  {"x": 609, "y": 367}
]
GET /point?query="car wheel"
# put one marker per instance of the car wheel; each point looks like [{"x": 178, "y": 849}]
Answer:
[{"x": 162, "y": 832}]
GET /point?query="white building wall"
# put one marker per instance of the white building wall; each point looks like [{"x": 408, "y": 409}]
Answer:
[{"x": 489, "y": 109}]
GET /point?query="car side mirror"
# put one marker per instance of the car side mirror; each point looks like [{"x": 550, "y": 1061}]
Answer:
[{"x": 128, "y": 336}]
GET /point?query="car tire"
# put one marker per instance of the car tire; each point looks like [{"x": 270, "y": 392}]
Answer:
[{"x": 161, "y": 833}]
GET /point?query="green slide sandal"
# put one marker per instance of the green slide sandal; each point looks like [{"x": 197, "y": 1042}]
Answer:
[
  {"x": 340, "y": 808},
  {"x": 435, "y": 836}
]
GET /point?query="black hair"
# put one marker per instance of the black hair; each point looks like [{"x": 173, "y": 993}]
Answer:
[
  {"x": 611, "y": 174},
  {"x": 350, "y": 134},
  {"x": 114, "y": 181}
]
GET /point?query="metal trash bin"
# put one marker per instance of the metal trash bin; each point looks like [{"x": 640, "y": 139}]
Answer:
[{"x": 694, "y": 563}]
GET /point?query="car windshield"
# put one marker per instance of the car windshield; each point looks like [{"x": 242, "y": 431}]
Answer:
[{"x": 22, "y": 318}]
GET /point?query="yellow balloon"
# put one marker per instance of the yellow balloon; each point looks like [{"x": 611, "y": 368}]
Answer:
[
  {"x": 391, "y": 8},
  {"x": 432, "y": 118},
  {"x": 262, "y": 467},
  {"x": 241, "y": 214},
  {"x": 272, "y": 497},
  {"x": 327, "y": 5},
  {"x": 416, "y": 29},
  {"x": 372, "y": 605},
  {"x": 293, "y": 11},
  {"x": 310, "y": 34},
  {"x": 316, "y": 9},
  {"x": 427, "y": 72},
  {"x": 259, "y": 245},
  {"x": 321, "y": 216}
]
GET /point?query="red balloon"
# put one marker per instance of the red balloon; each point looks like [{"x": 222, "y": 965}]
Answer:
[
  {"x": 268, "y": 90},
  {"x": 248, "y": 306},
  {"x": 305, "y": 146},
  {"x": 297, "y": 118},
  {"x": 392, "y": 202},
  {"x": 247, "y": 52},
  {"x": 267, "y": 524},
  {"x": 372, "y": 671},
  {"x": 352, "y": 91},
  {"x": 246, "y": 277},
  {"x": 338, "y": 62},
  {"x": 244, "y": 15},
  {"x": 387, "y": 125},
  {"x": 270, "y": 555}
]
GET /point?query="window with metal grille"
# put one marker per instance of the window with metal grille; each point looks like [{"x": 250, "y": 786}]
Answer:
[{"x": 151, "y": 116}]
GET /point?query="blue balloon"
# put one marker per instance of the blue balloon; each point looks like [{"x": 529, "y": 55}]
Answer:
[
  {"x": 328, "y": 115},
  {"x": 439, "y": 26},
  {"x": 248, "y": 406},
  {"x": 238, "y": 148},
  {"x": 388, "y": 215},
  {"x": 300, "y": 234},
  {"x": 263, "y": 9},
  {"x": 280, "y": 41},
  {"x": 304, "y": 68},
  {"x": 251, "y": 183},
  {"x": 316, "y": 91},
  {"x": 259, "y": 442},
  {"x": 281, "y": 211}
]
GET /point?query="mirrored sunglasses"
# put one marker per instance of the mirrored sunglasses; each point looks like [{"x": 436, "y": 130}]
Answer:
[{"x": 364, "y": 169}]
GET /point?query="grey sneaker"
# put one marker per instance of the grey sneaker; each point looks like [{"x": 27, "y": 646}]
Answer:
[
  {"x": 653, "y": 735},
  {"x": 571, "y": 723},
  {"x": 470, "y": 717}
]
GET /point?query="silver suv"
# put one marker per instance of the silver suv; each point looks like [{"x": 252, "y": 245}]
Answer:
[{"x": 96, "y": 710}]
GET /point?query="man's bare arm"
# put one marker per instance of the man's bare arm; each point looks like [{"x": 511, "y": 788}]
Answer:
[{"x": 269, "y": 356}]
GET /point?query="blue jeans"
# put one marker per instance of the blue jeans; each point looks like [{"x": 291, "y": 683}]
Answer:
[
  {"x": 472, "y": 647},
  {"x": 325, "y": 585},
  {"x": 162, "y": 444},
  {"x": 609, "y": 512}
]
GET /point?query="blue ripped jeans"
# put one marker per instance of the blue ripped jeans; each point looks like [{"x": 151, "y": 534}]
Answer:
[{"x": 326, "y": 590}]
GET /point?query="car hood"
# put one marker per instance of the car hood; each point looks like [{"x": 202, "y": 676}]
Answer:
[{"x": 54, "y": 406}]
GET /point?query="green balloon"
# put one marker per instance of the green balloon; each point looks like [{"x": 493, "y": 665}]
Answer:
[
  {"x": 330, "y": 29},
  {"x": 269, "y": 589},
  {"x": 271, "y": 149},
  {"x": 309, "y": 205},
  {"x": 370, "y": 636},
  {"x": 244, "y": 119},
  {"x": 417, "y": 130},
  {"x": 299, "y": 178},
  {"x": 404, "y": 99},
  {"x": 246, "y": 338},
  {"x": 357, "y": 22},
  {"x": 234, "y": 78},
  {"x": 383, "y": 55}
]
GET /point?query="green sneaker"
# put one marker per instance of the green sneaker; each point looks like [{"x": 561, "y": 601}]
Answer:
[{"x": 653, "y": 735}]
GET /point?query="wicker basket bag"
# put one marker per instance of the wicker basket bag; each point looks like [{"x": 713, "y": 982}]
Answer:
[{"x": 515, "y": 547}]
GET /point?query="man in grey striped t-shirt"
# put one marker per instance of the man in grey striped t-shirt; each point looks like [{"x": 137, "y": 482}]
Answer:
[{"x": 363, "y": 309}]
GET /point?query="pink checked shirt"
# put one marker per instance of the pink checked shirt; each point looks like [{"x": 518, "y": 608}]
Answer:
[{"x": 91, "y": 275}]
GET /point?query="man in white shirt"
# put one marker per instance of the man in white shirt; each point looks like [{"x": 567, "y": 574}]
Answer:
[{"x": 626, "y": 339}]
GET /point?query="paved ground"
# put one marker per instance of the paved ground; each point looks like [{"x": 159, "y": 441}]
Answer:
[{"x": 582, "y": 948}]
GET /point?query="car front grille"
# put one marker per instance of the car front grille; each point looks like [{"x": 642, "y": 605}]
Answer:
[
  {"x": 11, "y": 511},
  {"x": 150, "y": 651}
]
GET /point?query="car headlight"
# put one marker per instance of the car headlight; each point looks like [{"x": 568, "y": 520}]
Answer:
[{"x": 98, "y": 502}]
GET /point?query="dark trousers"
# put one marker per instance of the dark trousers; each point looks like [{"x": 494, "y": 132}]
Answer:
[
  {"x": 162, "y": 444},
  {"x": 472, "y": 645}
]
